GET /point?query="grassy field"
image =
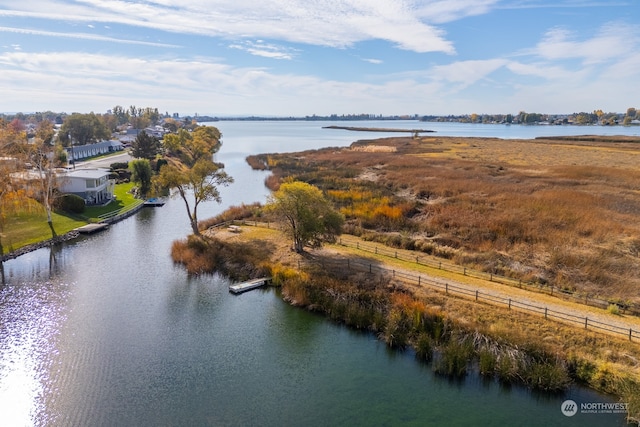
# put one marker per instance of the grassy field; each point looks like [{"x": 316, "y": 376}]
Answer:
[
  {"x": 560, "y": 212},
  {"x": 31, "y": 226}
]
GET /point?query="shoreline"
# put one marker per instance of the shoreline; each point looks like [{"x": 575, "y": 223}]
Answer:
[
  {"x": 73, "y": 234},
  {"x": 39, "y": 245}
]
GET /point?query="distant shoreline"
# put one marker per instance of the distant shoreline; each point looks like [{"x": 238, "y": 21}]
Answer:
[{"x": 367, "y": 129}]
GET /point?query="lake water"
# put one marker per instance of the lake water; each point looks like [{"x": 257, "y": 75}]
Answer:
[{"x": 106, "y": 331}]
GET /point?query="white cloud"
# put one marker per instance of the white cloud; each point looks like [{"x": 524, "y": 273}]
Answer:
[
  {"x": 268, "y": 50},
  {"x": 335, "y": 23},
  {"x": 83, "y": 36},
  {"x": 613, "y": 40},
  {"x": 467, "y": 72},
  {"x": 441, "y": 11},
  {"x": 373, "y": 61}
]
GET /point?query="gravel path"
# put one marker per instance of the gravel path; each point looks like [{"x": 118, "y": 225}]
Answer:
[{"x": 502, "y": 295}]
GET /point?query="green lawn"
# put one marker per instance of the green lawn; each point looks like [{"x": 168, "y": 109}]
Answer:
[
  {"x": 123, "y": 200},
  {"x": 27, "y": 228},
  {"x": 31, "y": 227}
]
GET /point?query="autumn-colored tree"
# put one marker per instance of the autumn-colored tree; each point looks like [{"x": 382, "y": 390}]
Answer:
[
  {"x": 201, "y": 182},
  {"x": 191, "y": 171},
  {"x": 306, "y": 215}
]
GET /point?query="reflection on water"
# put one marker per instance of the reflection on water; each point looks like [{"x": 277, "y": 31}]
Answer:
[{"x": 30, "y": 316}]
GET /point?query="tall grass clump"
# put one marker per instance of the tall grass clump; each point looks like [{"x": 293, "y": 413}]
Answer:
[{"x": 454, "y": 357}]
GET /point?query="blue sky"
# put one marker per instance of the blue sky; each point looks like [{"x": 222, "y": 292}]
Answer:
[{"x": 302, "y": 57}]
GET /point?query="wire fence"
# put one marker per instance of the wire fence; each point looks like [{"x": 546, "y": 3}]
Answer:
[
  {"x": 474, "y": 294},
  {"x": 480, "y": 296},
  {"x": 624, "y": 308}
]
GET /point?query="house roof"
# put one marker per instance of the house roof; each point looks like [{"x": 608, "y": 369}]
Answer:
[{"x": 94, "y": 173}]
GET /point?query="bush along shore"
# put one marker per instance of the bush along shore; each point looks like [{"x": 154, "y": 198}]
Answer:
[{"x": 375, "y": 303}]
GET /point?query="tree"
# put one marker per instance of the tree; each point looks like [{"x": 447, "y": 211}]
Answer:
[
  {"x": 43, "y": 158},
  {"x": 307, "y": 215},
  {"x": 145, "y": 146},
  {"x": 201, "y": 181},
  {"x": 83, "y": 129},
  {"x": 141, "y": 174},
  {"x": 190, "y": 169}
]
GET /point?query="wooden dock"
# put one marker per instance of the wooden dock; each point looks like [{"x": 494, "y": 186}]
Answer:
[
  {"x": 91, "y": 228},
  {"x": 239, "y": 288}
]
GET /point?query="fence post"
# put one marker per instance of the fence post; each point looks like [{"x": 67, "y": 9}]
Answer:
[
  {"x": 375, "y": 250},
  {"x": 491, "y": 277},
  {"x": 630, "y": 332},
  {"x": 586, "y": 321},
  {"x": 446, "y": 288},
  {"x": 393, "y": 273},
  {"x": 369, "y": 268},
  {"x": 545, "y": 313},
  {"x": 357, "y": 245},
  {"x": 465, "y": 271},
  {"x": 509, "y": 303},
  {"x": 476, "y": 295},
  {"x": 418, "y": 280},
  {"x": 440, "y": 265},
  {"x": 396, "y": 254}
]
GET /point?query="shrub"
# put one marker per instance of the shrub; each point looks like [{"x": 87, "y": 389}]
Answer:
[
  {"x": 119, "y": 165},
  {"x": 71, "y": 203},
  {"x": 614, "y": 309}
]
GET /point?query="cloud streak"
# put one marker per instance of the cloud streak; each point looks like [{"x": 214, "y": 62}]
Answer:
[{"x": 83, "y": 36}]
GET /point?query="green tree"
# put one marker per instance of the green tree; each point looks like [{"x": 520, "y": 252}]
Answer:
[
  {"x": 81, "y": 129},
  {"x": 198, "y": 183},
  {"x": 145, "y": 146},
  {"x": 307, "y": 216},
  {"x": 190, "y": 169},
  {"x": 142, "y": 175}
]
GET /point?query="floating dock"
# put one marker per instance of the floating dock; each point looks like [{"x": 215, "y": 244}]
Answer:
[
  {"x": 239, "y": 288},
  {"x": 92, "y": 228},
  {"x": 154, "y": 202}
]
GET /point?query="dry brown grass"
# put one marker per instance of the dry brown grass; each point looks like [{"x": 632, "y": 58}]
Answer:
[{"x": 562, "y": 212}]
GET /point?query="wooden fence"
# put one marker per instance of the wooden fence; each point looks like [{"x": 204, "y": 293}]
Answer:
[
  {"x": 474, "y": 294},
  {"x": 479, "y": 295},
  {"x": 624, "y": 308}
]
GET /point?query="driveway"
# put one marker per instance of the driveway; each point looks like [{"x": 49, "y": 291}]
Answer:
[{"x": 104, "y": 162}]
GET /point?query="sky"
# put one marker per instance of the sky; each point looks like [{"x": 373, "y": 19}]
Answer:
[{"x": 302, "y": 57}]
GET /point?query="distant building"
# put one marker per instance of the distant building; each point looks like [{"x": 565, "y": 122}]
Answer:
[{"x": 78, "y": 152}]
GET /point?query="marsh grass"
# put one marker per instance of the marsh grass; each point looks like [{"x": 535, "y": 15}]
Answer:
[{"x": 562, "y": 212}]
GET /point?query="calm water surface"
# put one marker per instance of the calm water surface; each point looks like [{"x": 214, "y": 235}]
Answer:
[{"x": 106, "y": 331}]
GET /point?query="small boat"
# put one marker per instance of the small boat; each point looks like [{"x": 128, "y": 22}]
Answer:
[{"x": 154, "y": 202}]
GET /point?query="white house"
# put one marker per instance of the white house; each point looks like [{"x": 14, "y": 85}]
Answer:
[
  {"x": 93, "y": 185},
  {"x": 83, "y": 151}
]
